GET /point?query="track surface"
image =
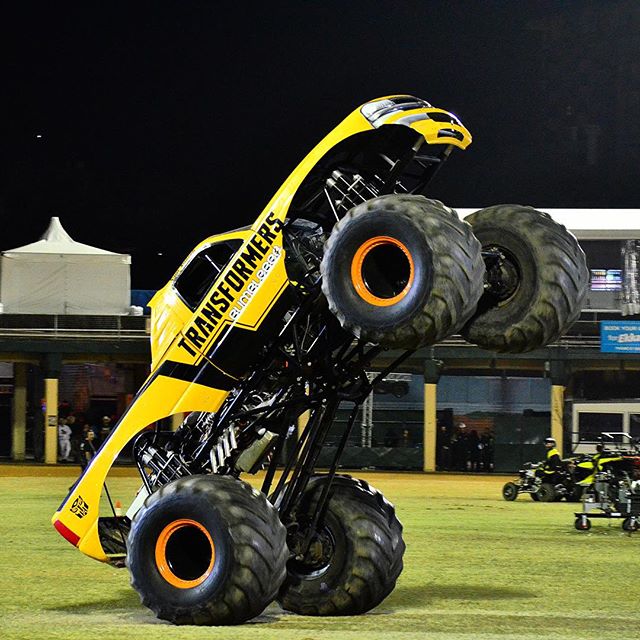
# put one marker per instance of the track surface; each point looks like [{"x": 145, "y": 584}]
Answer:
[{"x": 476, "y": 567}]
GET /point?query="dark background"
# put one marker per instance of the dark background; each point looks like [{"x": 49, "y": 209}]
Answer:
[{"x": 164, "y": 122}]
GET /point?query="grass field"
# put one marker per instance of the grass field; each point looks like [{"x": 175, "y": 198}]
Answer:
[{"x": 475, "y": 567}]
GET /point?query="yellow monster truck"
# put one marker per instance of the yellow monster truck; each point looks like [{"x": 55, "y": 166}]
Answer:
[{"x": 265, "y": 323}]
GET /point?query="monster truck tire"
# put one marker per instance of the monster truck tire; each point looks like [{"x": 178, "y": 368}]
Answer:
[
  {"x": 402, "y": 271},
  {"x": 548, "y": 274},
  {"x": 361, "y": 549},
  {"x": 207, "y": 550},
  {"x": 510, "y": 491}
]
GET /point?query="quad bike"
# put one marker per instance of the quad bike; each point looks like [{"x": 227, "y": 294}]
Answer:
[
  {"x": 541, "y": 489},
  {"x": 266, "y": 323},
  {"x": 613, "y": 494},
  {"x": 527, "y": 482},
  {"x": 611, "y": 481}
]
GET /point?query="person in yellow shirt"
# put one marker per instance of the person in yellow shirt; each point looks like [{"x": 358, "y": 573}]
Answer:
[{"x": 552, "y": 464}]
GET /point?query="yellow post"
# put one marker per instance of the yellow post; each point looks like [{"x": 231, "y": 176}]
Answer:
[
  {"x": 51, "y": 420},
  {"x": 19, "y": 426},
  {"x": 557, "y": 414},
  {"x": 429, "y": 439}
]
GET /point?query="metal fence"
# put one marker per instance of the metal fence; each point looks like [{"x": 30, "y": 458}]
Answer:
[{"x": 72, "y": 326}]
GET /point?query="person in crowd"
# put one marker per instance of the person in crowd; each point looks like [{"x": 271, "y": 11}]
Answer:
[
  {"x": 76, "y": 436},
  {"x": 486, "y": 456},
  {"x": 459, "y": 447},
  {"x": 473, "y": 451},
  {"x": 64, "y": 440},
  {"x": 443, "y": 449},
  {"x": 64, "y": 409},
  {"x": 105, "y": 429},
  {"x": 87, "y": 447}
]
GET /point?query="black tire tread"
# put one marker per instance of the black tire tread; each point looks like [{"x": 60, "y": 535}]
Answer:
[
  {"x": 458, "y": 272},
  {"x": 377, "y": 559},
  {"x": 546, "y": 492},
  {"x": 562, "y": 287},
  {"x": 507, "y": 490},
  {"x": 258, "y": 565}
]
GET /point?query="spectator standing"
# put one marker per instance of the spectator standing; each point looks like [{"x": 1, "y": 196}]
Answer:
[
  {"x": 443, "y": 449},
  {"x": 459, "y": 447},
  {"x": 76, "y": 436},
  {"x": 64, "y": 409},
  {"x": 473, "y": 449},
  {"x": 64, "y": 440},
  {"x": 105, "y": 428},
  {"x": 87, "y": 447},
  {"x": 486, "y": 455}
]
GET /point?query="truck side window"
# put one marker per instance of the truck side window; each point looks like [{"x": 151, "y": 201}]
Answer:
[{"x": 198, "y": 276}]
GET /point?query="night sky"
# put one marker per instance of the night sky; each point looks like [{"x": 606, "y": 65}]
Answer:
[{"x": 163, "y": 122}]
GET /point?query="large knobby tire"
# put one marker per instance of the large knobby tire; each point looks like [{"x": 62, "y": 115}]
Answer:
[
  {"x": 207, "y": 550},
  {"x": 356, "y": 559},
  {"x": 544, "y": 278},
  {"x": 402, "y": 271}
]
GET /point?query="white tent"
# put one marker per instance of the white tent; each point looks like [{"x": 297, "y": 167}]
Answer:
[{"x": 57, "y": 275}]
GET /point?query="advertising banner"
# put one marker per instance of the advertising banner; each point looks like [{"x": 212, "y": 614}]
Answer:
[{"x": 620, "y": 336}]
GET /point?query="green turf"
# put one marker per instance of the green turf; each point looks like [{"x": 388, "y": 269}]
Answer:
[{"x": 476, "y": 567}]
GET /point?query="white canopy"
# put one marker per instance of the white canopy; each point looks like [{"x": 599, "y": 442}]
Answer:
[{"x": 57, "y": 275}]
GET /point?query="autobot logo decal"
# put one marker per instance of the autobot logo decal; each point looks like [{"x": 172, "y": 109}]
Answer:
[
  {"x": 80, "y": 507},
  {"x": 251, "y": 267}
]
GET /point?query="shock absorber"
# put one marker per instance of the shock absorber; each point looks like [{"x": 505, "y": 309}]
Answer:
[{"x": 345, "y": 192}]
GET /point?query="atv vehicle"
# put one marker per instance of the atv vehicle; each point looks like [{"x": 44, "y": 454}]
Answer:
[
  {"x": 563, "y": 485},
  {"x": 611, "y": 483},
  {"x": 266, "y": 323},
  {"x": 616, "y": 458},
  {"x": 613, "y": 492},
  {"x": 527, "y": 482}
]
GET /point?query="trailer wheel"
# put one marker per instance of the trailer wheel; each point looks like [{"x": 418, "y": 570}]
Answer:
[
  {"x": 354, "y": 560},
  {"x": 537, "y": 278},
  {"x": 402, "y": 271},
  {"x": 630, "y": 523},
  {"x": 510, "y": 491},
  {"x": 582, "y": 523},
  {"x": 546, "y": 492},
  {"x": 207, "y": 550}
]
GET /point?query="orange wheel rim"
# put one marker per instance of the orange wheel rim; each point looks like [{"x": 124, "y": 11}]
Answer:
[
  {"x": 357, "y": 276},
  {"x": 163, "y": 562}
]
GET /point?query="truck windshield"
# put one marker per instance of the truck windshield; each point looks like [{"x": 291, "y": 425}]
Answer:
[{"x": 198, "y": 276}]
